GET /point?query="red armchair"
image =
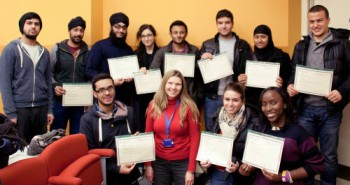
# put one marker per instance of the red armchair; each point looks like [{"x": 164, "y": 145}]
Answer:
[{"x": 66, "y": 161}]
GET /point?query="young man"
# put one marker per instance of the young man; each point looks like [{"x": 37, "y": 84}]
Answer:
[
  {"x": 178, "y": 33},
  {"x": 238, "y": 51},
  {"x": 106, "y": 119},
  {"x": 25, "y": 80},
  {"x": 321, "y": 116},
  {"x": 68, "y": 60},
  {"x": 113, "y": 46}
]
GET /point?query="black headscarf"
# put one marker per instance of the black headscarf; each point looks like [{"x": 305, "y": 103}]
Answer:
[{"x": 264, "y": 53}]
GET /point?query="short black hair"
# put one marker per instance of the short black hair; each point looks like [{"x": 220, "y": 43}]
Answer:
[
  {"x": 98, "y": 77},
  {"x": 224, "y": 13},
  {"x": 319, "y": 8},
  {"x": 178, "y": 23},
  {"x": 26, "y": 16}
]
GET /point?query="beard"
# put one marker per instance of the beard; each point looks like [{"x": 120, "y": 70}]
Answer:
[
  {"x": 76, "y": 40},
  {"x": 30, "y": 37},
  {"x": 116, "y": 41}
]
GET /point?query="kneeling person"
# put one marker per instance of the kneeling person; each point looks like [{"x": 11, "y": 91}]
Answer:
[{"x": 105, "y": 120}]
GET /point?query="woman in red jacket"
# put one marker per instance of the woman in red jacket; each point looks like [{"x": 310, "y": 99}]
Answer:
[{"x": 173, "y": 117}]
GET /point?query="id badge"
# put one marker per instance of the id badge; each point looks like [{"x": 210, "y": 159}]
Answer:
[{"x": 168, "y": 143}]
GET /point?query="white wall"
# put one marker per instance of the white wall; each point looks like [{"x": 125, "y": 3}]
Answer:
[{"x": 340, "y": 18}]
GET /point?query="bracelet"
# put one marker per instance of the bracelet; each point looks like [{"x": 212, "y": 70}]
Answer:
[{"x": 287, "y": 177}]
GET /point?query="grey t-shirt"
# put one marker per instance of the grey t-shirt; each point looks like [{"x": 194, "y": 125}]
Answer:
[{"x": 226, "y": 46}]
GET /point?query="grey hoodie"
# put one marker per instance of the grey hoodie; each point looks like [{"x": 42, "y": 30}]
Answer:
[{"x": 22, "y": 85}]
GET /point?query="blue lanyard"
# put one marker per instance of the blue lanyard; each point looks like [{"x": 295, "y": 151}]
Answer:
[{"x": 167, "y": 120}]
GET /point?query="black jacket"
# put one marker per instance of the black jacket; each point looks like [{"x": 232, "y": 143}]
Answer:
[
  {"x": 336, "y": 58},
  {"x": 242, "y": 52},
  {"x": 66, "y": 69},
  {"x": 251, "y": 123}
]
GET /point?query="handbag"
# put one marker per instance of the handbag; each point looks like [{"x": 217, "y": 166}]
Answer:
[{"x": 40, "y": 142}]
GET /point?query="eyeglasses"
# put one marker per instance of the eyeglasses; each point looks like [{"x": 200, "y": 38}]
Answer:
[
  {"x": 118, "y": 27},
  {"x": 146, "y": 36},
  {"x": 103, "y": 90}
]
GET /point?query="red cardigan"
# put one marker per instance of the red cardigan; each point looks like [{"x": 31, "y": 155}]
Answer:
[{"x": 186, "y": 138}]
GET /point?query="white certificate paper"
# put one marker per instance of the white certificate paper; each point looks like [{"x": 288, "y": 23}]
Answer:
[
  {"x": 135, "y": 149},
  {"x": 215, "y": 148},
  {"x": 215, "y": 69},
  {"x": 123, "y": 67},
  {"x": 263, "y": 151},
  {"x": 149, "y": 82},
  {"x": 77, "y": 94},
  {"x": 313, "y": 81},
  {"x": 181, "y": 62},
  {"x": 261, "y": 74}
]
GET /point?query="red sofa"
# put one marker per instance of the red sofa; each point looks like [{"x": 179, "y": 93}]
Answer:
[{"x": 65, "y": 162}]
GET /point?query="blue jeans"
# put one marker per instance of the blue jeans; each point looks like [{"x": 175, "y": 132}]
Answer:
[
  {"x": 63, "y": 114},
  {"x": 221, "y": 177},
  {"x": 324, "y": 127},
  {"x": 210, "y": 106}
]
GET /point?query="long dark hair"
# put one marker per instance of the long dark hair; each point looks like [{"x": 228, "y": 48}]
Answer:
[{"x": 289, "y": 111}]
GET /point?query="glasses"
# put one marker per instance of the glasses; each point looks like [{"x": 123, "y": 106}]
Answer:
[
  {"x": 118, "y": 27},
  {"x": 146, "y": 36},
  {"x": 103, "y": 90}
]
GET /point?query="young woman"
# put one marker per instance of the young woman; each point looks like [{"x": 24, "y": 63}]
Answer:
[
  {"x": 265, "y": 50},
  {"x": 145, "y": 52},
  {"x": 173, "y": 118},
  {"x": 233, "y": 119},
  {"x": 301, "y": 158}
]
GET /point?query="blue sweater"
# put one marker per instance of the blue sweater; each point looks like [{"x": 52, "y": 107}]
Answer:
[{"x": 22, "y": 84}]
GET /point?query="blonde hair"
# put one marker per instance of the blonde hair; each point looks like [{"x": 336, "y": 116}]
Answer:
[{"x": 160, "y": 99}]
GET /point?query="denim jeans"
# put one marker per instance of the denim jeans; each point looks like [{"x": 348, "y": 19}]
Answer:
[
  {"x": 63, "y": 114},
  {"x": 323, "y": 127},
  {"x": 169, "y": 172},
  {"x": 221, "y": 177},
  {"x": 210, "y": 106}
]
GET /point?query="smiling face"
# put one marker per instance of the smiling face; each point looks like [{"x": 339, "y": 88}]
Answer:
[
  {"x": 224, "y": 26},
  {"x": 261, "y": 40},
  {"x": 233, "y": 102},
  {"x": 119, "y": 30},
  {"x": 173, "y": 87},
  {"x": 104, "y": 92},
  {"x": 318, "y": 24},
  {"x": 147, "y": 37},
  {"x": 76, "y": 34},
  {"x": 178, "y": 34},
  {"x": 273, "y": 108}
]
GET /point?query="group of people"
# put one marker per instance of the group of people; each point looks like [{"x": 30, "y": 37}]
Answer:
[{"x": 31, "y": 81}]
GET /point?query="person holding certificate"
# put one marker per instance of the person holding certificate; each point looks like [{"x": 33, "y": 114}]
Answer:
[
  {"x": 238, "y": 51},
  {"x": 106, "y": 119},
  {"x": 300, "y": 156},
  {"x": 173, "y": 117},
  {"x": 145, "y": 52},
  {"x": 179, "y": 45},
  {"x": 112, "y": 47},
  {"x": 233, "y": 119},
  {"x": 321, "y": 116},
  {"x": 68, "y": 59},
  {"x": 265, "y": 50}
]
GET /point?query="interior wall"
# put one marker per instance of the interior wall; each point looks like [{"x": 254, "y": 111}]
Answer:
[
  {"x": 55, "y": 15},
  {"x": 199, "y": 15}
]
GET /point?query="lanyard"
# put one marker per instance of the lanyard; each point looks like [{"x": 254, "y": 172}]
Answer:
[{"x": 167, "y": 120}]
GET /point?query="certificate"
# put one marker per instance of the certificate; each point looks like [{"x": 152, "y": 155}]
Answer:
[
  {"x": 313, "y": 81},
  {"x": 215, "y": 148},
  {"x": 135, "y": 149},
  {"x": 263, "y": 151},
  {"x": 261, "y": 74},
  {"x": 77, "y": 94},
  {"x": 216, "y": 68},
  {"x": 181, "y": 62},
  {"x": 123, "y": 67},
  {"x": 149, "y": 82}
]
